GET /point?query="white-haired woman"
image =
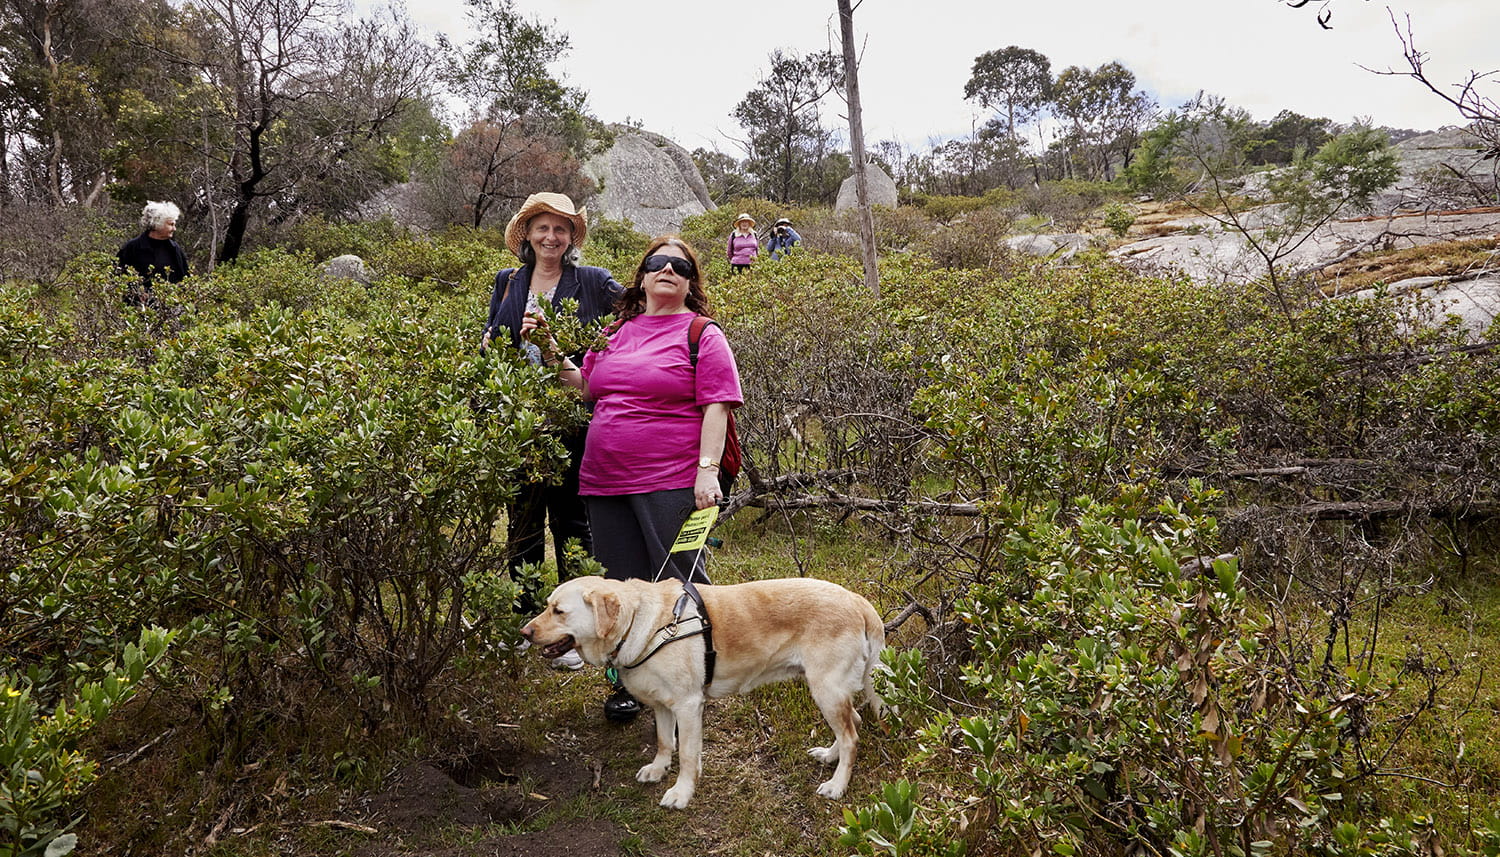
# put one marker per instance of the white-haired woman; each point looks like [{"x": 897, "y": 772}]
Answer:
[{"x": 153, "y": 253}]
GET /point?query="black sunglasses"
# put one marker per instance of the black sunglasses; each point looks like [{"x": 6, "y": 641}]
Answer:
[{"x": 683, "y": 267}]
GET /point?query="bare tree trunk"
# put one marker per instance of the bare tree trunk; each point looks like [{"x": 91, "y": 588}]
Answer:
[
  {"x": 5, "y": 191},
  {"x": 857, "y": 142},
  {"x": 246, "y": 188},
  {"x": 209, "y": 203},
  {"x": 54, "y": 81}
]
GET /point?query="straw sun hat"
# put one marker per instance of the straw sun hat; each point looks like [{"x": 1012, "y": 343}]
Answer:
[
  {"x": 742, "y": 218},
  {"x": 545, "y": 203}
]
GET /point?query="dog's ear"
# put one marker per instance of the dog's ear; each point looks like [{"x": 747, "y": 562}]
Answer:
[{"x": 606, "y": 607}]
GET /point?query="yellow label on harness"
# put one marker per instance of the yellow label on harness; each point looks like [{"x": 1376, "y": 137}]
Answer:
[{"x": 694, "y": 532}]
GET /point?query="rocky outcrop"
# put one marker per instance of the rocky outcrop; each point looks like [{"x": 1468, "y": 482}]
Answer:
[
  {"x": 1474, "y": 302},
  {"x": 1438, "y": 170},
  {"x": 1063, "y": 245},
  {"x": 879, "y": 186},
  {"x": 648, "y": 180},
  {"x": 1209, "y": 252},
  {"x": 347, "y": 267}
]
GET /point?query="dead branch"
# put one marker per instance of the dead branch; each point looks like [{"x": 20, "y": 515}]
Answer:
[
  {"x": 1361, "y": 247},
  {"x": 1306, "y": 466},
  {"x": 1375, "y": 510},
  {"x": 864, "y": 504},
  {"x": 910, "y": 610},
  {"x": 333, "y": 824},
  {"x": 1417, "y": 358}
]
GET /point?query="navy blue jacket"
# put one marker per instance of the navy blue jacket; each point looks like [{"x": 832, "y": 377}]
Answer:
[{"x": 595, "y": 290}]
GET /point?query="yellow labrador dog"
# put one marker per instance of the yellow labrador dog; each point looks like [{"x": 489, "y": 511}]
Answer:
[{"x": 763, "y": 631}]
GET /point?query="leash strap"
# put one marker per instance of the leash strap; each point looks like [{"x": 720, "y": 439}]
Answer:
[{"x": 693, "y": 536}]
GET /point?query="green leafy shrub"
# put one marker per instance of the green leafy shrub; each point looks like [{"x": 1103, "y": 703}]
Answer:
[
  {"x": 1118, "y": 219},
  {"x": 1065, "y": 204},
  {"x": 325, "y": 239},
  {"x": 1124, "y": 695},
  {"x": 893, "y": 826},
  {"x": 311, "y": 494},
  {"x": 460, "y": 259},
  {"x": 974, "y": 240},
  {"x": 616, "y": 245},
  {"x": 945, "y": 208},
  {"x": 42, "y": 771}
]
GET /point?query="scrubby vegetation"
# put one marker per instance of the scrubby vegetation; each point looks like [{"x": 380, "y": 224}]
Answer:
[{"x": 1169, "y": 569}]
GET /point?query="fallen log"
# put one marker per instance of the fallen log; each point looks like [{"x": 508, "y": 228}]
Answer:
[{"x": 1376, "y": 510}]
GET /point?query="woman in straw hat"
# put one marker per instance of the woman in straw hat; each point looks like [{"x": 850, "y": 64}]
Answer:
[
  {"x": 545, "y": 235},
  {"x": 743, "y": 245}
]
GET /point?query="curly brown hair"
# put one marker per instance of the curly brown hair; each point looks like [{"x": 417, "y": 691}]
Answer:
[{"x": 633, "y": 302}]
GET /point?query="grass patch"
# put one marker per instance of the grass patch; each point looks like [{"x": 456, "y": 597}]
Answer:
[{"x": 1442, "y": 259}]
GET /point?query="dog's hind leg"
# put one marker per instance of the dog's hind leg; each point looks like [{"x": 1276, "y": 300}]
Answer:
[
  {"x": 666, "y": 744},
  {"x": 689, "y": 717},
  {"x": 837, "y": 705}
]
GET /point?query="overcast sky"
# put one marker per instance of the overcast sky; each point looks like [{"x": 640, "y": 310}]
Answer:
[{"x": 680, "y": 66}]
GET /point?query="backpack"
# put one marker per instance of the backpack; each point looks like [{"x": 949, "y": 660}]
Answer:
[{"x": 734, "y": 457}]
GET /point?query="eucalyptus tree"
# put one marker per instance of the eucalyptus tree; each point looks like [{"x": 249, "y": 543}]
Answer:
[
  {"x": 519, "y": 121},
  {"x": 1288, "y": 133},
  {"x": 73, "y": 70},
  {"x": 1103, "y": 114},
  {"x": 723, "y": 173},
  {"x": 1016, "y": 81},
  {"x": 787, "y": 139},
  {"x": 291, "y": 109}
]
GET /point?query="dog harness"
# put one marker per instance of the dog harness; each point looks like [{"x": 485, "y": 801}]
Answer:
[{"x": 672, "y": 632}]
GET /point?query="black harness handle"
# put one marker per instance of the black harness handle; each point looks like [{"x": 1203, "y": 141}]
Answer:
[{"x": 705, "y": 630}]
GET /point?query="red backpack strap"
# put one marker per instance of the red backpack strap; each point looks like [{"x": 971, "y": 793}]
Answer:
[
  {"x": 695, "y": 335},
  {"x": 730, "y": 463}
]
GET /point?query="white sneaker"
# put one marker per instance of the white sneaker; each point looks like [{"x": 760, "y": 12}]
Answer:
[{"x": 570, "y": 660}]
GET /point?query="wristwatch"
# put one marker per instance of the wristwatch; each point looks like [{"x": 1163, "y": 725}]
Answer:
[{"x": 705, "y": 462}]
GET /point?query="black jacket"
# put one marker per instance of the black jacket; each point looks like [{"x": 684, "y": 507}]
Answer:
[{"x": 151, "y": 258}]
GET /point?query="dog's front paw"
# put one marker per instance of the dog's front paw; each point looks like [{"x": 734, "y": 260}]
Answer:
[
  {"x": 827, "y": 755},
  {"x": 652, "y": 773},
  {"x": 677, "y": 797},
  {"x": 831, "y": 790}
]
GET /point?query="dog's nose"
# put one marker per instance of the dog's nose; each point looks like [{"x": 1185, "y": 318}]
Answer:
[{"x": 527, "y": 631}]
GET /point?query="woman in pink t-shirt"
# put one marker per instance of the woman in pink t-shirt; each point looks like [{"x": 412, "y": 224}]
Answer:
[{"x": 659, "y": 424}]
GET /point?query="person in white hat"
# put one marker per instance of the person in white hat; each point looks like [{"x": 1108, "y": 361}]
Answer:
[
  {"x": 545, "y": 235},
  {"x": 783, "y": 239},
  {"x": 743, "y": 245}
]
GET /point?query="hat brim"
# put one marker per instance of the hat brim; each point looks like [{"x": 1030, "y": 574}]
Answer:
[{"x": 545, "y": 203}]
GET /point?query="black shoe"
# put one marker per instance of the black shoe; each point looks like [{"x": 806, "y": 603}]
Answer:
[{"x": 621, "y": 707}]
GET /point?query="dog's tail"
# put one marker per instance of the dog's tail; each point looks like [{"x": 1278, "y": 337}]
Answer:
[{"x": 874, "y": 645}]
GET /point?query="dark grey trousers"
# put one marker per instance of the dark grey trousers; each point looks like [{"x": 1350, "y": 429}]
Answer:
[{"x": 633, "y": 532}]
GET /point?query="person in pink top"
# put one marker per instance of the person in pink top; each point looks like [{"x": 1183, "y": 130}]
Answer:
[
  {"x": 743, "y": 245},
  {"x": 654, "y": 444}
]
